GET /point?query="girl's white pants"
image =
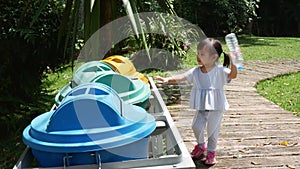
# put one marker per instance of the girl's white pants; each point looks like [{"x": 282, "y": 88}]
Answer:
[{"x": 212, "y": 120}]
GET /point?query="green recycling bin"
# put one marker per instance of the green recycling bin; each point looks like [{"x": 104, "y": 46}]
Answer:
[
  {"x": 84, "y": 74},
  {"x": 131, "y": 89}
]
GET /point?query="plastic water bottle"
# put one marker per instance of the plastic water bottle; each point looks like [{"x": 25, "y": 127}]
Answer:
[{"x": 235, "y": 51}]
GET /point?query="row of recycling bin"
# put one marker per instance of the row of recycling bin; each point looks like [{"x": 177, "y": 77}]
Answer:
[
  {"x": 118, "y": 72},
  {"x": 100, "y": 117}
]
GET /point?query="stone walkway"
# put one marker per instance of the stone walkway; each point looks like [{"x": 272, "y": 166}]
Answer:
[{"x": 255, "y": 132}]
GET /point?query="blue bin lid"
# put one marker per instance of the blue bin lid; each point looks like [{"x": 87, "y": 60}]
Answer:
[{"x": 92, "y": 117}]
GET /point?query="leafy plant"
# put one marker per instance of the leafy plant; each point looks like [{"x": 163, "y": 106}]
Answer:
[
  {"x": 167, "y": 37},
  {"x": 28, "y": 46}
]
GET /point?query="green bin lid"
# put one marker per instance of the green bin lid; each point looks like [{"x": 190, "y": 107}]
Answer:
[
  {"x": 84, "y": 74},
  {"x": 131, "y": 89}
]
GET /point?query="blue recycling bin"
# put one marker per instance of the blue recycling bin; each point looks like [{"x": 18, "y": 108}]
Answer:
[{"x": 92, "y": 125}]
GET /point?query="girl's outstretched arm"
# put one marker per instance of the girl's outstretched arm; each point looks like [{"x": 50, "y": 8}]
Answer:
[{"x": 171, "y": 79}]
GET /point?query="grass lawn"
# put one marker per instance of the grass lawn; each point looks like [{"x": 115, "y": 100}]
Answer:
[
  {"x": 259, "y": 48},
  {"x": 265, "y": 48},
  {"x": 253, "y": 48},
  {"x": 283, "y": 91}
]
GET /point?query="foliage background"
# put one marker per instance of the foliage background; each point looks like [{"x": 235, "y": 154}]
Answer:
[
  {"x": 27, "y": 47},
  {"x": 218, "y": 17},
  {"x": 41, "y": 36}
]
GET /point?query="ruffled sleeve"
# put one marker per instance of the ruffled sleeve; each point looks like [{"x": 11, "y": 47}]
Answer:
[
  {"x": 226, "y": 73},
  {"x": 189, "y": 75}
]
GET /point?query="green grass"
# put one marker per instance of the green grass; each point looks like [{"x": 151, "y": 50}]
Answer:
[
  {"x": 265, "y": 48},
  {"x": 53, "y": 82},
  {"x": 10, "y": 150},
  {"x": 283, "y": 90}
]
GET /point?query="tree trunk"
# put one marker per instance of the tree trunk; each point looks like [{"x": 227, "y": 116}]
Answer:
[{"x": 106, "y": 17}]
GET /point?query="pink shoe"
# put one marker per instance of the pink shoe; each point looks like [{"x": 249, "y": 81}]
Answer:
[
  {"x": 210, "y": 158},
  {"x": 198, "y": 151}
]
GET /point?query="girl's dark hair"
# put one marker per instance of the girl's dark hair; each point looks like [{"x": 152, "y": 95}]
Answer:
[{"x": 217, "y": 48}]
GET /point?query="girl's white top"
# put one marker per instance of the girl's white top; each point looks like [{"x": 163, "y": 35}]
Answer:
[{"x": 208, "y": 88}]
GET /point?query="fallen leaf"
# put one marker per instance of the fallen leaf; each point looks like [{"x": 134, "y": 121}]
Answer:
[
  {"x": 255, "y": 163},
  {"x": 256, "y": 145},
  {"x": 294, "y": 144},
  {"x": 240, "y": 140},
  {"x": 284, "y": 143},
  {"x": 267, "y": 143},
  {"x": 291, "y": 167},
  {"x": 237, "y": 156},
  {"x": 242, "y": 151}
]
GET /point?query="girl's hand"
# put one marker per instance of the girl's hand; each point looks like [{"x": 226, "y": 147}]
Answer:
[
  {"x": 171, "y": 79},
  {"x": 162, "y": 79},
  {"x": 233, "y": 73}
]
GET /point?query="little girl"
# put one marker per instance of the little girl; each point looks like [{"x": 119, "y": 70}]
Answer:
[{"x": 207, "y": 95}]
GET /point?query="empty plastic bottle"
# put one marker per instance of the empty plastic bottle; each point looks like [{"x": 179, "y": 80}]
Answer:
[{"x": 235, "y": 51}]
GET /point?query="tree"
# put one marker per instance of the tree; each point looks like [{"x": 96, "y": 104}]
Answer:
[
  {"x": 28, "y": 44},
  {"x": 278, "y": 18},
  {"x": 218, "y": 17}
]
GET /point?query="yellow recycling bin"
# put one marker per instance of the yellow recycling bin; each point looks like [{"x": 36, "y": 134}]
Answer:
[{"x": 123, "y": 66}]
